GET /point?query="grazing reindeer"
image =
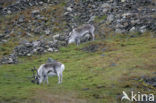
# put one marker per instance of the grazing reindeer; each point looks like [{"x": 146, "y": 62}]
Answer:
[
  {"x": 49, "y": 69},
  {"x": 76, "y": 34}
]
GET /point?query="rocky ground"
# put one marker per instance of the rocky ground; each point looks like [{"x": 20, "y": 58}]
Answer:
[
  {"x": 29, "y": 18},
  {"x": 32, "y": 27},
  {"x": 131, "y": 16}
]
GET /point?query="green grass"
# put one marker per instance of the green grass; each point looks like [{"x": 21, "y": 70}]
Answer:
[
  {"x": 100, "y": 18},
  {"x": 88, "y": 77},
  {"x": 7, "y": 48}
]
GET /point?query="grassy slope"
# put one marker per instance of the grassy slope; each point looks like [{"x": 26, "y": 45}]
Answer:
[{"x": 88, "y": 77}]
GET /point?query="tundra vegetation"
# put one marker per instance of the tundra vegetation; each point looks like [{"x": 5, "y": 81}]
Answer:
[
  {"x": 96, "y": 71},
  {"x": 117, "y": 64}
]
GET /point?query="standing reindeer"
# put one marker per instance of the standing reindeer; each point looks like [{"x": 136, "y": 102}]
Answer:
[
  {"x": 49, "y": 69},
  {"x": 76, "y": 34}
]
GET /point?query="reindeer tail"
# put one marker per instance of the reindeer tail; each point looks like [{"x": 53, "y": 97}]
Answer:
[{"x": 62, "y": 67}]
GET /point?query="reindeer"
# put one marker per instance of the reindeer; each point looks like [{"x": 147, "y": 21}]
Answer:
[
  {"x": 49, "y": 69},
  {"x": 76, "y": 34}
]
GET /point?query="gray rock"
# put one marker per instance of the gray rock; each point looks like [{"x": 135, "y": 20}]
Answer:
[
  {"x": 133, "y": 29},
  {"x": 23, "y": 42},
  {"x": 69, "y": 9},
  {"x": 56, "y": 37},
  {"x": 20, "y": 5},
  {"x": 36, "y": 43},
  {"x": 110, "y": 18},
  {"x": 37, "y": 30},
  {"x": 142, "y": 29},
  {"x": 92, "y": 18},
  {"x": 28, "y": 54},
  {"x": 118, "y": 31},
  {"x": 10, "y": 59},
  {"x": 40, "y": 46},
  {"x": 116, "y": 2},
  {"x": 9, "y": 12},
  {"x": 34, "y": 12},
  {"x": 50, "y": 50},
  {"x": 2, "y": 36},
  {"x": 123, "y": 0},
  {"x": 29, "y": 34},
  {"x": 47, "y": 32},
  {"x": 21, "y": 19},
  {"x": 105, "y": 5}
]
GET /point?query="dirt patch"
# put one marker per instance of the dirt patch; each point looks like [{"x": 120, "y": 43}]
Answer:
[
  {"x": 44, "y": 96},
  {"x": 91, "y": 48},
  {"x": 94, "y": 47},
  {"x": 103, "y": 47}
]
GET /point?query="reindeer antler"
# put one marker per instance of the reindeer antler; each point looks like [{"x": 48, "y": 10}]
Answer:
[
  {"x": 35, "y": 70},
  {"x": 33, "y": 73}
]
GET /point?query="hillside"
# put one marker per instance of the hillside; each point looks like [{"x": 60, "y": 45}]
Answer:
[
  {"x": 122, "y": 57},
  {"x": 100, "y": 76}
]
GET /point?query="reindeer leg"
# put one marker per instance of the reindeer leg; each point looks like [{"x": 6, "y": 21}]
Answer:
[
  {"x": 58, "y": 78},
  {"x": 47, "y": 80},
  {"x": 93, "y": 36},
  {"x": 91, "y": 32},
  {"x": 77, "y": 41},
  {"x": 61, "y": 75},
  {"x": 44, "y": 79}
]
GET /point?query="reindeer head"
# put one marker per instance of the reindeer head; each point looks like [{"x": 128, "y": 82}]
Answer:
[{"x": 35, "y": 76}]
